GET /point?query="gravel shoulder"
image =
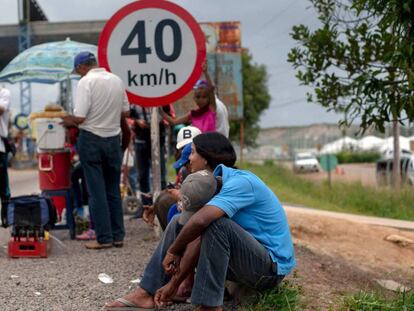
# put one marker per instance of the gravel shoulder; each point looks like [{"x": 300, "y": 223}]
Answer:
[{"x": 68, "y": 278}]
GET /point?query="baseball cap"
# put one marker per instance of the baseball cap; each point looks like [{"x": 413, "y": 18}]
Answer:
[
  {"x": 195, "y": 192},
  {"x": 185, "y": 157},
  {"x": 186, "y": 135},
  {"x": 83, "y": 57},
  {"x": 200, "y": 84}
]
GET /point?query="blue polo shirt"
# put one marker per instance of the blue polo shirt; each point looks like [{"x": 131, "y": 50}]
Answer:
[{"x": 247, "y": 200}]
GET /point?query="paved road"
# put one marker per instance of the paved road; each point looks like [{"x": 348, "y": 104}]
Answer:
[
  {"x": 363, "y": 173},
  {"x": 23, "y": 182},
  {"x": 26, "y": 182}
]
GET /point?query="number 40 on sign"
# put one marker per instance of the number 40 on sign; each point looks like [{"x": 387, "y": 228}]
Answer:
[{"x": 156, "y": 48}]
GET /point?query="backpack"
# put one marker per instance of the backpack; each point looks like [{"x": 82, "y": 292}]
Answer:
[{"x": 29, "y": 212}]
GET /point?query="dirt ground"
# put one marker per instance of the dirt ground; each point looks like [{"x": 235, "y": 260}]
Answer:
[{"x": 337, "y": 257}]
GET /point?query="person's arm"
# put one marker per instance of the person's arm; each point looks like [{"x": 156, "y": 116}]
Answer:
[
  {"x": 72, "y": 121},
  {"x": 149, "y": 215},
  {"x": 187, "y": 265},
  {"x": 175, "y": 121},
  {"x": 82, "y": 105},
  {"x": 126, "y": 133},
  {"x": 137, "y": 114},
  {"x": 235, "y": 194},
  {"x": 210, "y": 86},
  {"x": 126, "y": 111},
  {"x": 4, "y": 100},
  {"x": 191, "y": 231}
]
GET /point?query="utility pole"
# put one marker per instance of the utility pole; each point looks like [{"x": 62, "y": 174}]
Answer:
[
  {"x": 396, "y": 171},
  {"x": 24, "y": 43}
]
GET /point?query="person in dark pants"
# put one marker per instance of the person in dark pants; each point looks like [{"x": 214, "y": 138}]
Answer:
[
  {"x": 244, "y": 225},
  {"x": 101, "y": 106},
  {"x": 142, "y": 143},
  {"x": 80, "y": 199}
]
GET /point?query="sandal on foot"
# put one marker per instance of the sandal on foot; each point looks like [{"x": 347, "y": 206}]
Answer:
[
  {"x": 182, "y": 299},
  {"x": 86, "y": 235},
  {"x": 128, "y": 306},
  {"x": 183, "y": 295}
]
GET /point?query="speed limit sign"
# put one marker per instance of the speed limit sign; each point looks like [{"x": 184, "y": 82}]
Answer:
[{"x": 156, "y": 47}]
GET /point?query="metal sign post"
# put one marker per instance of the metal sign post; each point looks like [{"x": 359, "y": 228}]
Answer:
[
  {"x": 328, "y": 163},
  {"x": 155, "y": 152}
]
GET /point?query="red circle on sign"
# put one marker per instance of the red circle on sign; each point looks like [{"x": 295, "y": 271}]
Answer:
[{"x": 186, "y": 17}]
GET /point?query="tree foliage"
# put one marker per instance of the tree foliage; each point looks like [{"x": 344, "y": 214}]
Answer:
[
  {"x": 256, "y": 99},
  {"x": 360, "y": 60}
]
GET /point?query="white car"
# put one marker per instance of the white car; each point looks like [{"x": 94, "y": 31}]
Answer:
[{"x": 305, "y": 162}]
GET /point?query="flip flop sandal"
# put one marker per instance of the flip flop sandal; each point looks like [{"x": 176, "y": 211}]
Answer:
[
  {"x": 128, "y": 306},
  {"x": 183, "y": 296},
  {"x": 182, "y": 299}
]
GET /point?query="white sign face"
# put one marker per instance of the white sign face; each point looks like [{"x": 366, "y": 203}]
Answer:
[{"x": 155, "y": 52}]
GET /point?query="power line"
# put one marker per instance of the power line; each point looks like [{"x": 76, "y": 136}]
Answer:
[
  {"x": 281, "y": 12},
  {"x": 288, "y": 103}
]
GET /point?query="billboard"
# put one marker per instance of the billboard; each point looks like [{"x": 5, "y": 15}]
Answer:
[{"x": 223, "y": 40}]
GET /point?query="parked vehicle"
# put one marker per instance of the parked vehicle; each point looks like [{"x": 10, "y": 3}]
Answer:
[
  {"x": 385, "y": 165},
  {"x": 305, "y": 162}
]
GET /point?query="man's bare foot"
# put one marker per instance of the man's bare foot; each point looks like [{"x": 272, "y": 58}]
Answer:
[
  {"x": 139, "y": 297},
  {"x": 185, "y": 288}
]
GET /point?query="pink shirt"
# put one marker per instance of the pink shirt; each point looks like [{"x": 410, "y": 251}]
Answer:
[{"x": 205, "y": 122}]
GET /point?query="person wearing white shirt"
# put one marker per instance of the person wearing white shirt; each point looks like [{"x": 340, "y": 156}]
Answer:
[
  {"x": 100, "y": 104},
  {"x": 222, "y": 118}
]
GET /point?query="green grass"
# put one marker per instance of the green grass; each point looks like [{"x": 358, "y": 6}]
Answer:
[
  {"x": 341, "y": 197},
  {"x": 377, "y": 302},
  {"x": 284, "y": 298}
]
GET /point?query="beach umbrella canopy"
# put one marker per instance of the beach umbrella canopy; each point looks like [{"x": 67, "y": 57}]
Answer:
[{"x": 45, "y": 63}]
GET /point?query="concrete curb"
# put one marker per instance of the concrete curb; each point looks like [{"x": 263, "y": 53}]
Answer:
[{"x": 386, "y": 222}]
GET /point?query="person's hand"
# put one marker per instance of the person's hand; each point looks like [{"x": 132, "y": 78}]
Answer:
[
  {"x": 165, "y": 115},
  {"x": 163, "y": 296},
  {"x": 68, "y": 122},
  {"x": 180, "y": 206},
  {"x": 142, "y": 124},
  {"x": 171, "y": 263},
  {"x": 148, "y": 216},
  {"x": 175, "y": 194}
]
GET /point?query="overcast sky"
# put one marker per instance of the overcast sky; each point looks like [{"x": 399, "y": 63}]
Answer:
[{"x": 266, "y": 25}]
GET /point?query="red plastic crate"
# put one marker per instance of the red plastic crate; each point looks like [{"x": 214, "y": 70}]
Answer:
[{"x": 27, "y": 248}]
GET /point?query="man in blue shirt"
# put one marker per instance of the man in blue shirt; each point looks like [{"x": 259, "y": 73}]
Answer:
[
  {"x": 245, "y": 238},
  {"x": 246, "y": 200},
  {"x": 241, "y": 235}
]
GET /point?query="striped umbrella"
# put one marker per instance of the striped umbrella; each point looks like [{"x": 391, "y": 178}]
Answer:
[{"x": 45, "y": 63}]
